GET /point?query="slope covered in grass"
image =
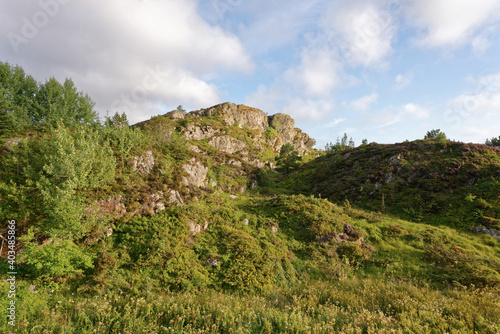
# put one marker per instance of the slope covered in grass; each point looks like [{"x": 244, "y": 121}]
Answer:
[{"x": 442, "y": 182}]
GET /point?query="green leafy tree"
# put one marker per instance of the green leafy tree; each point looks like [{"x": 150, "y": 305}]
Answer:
[
  {"x": 438, "y": 136},
  {"x": 121, "y": 137},
  {"x": 19, "y": 94},
  {"x": 493, "y": 142},
  {"x": 6, "y": 124},
  {"x": 289, "y": 158},
  {"x": 63, "y": 102}
]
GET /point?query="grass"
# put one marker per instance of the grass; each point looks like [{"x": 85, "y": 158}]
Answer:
[
  {"x": 397, "y": 288},
  {"x": 347, "y": 306}
]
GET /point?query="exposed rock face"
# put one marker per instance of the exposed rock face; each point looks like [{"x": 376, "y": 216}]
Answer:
[
  {"x": 483, "y": 230},
  {"x": 197, "y": 228},
  {"x": 252, "y": 118},
  {"x": 154, "y": 203},
  {"x": 175, "y": 114},
  {"x": 112, "y": 207},
  {"x": 143, "y": 164},
  {"x": 212, "y": 262},
  {"x": 287, "y": 133},
  {"x": 175, "y": 198},
  {"x": 302, "y": 142},
  {"x": 199, "y": 132},
  {"x": 197, "y": 174},
  {"x": 227, "y": 144}
]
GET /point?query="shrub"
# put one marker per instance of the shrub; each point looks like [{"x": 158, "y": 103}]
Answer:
[{"x": 58, "y": 258}]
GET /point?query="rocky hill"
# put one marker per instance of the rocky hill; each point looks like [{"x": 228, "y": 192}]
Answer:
[{"x": 270, "y": 131}]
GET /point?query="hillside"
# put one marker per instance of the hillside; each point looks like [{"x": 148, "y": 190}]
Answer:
[
  {"x": 189, "y": 222},
  {"x": 448, "y": 183}
]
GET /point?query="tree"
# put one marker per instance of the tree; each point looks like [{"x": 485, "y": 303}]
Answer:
[
  {"x": 63, "y": 102},
  {"x": 289, "y": 158},
  {"x": 340, "y": 145},
  {"x": 6, "y": 123},
  {"x": 364, "y": 142},
  {"x": 493, "y": 142},
  {"x": 117, "y": 121},
  {"x": 435, "y": 134},
  {"x": 181, "y": 109}
]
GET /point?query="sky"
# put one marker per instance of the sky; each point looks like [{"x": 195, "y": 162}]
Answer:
[{"x": 381, "y": 70}]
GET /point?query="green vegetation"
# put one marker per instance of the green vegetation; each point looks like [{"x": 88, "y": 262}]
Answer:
[
  {"x": 340, "y": 145},
  {"x": 493, "y": 142},
  {"x": 114, "y": 237},
  {"x": 288, "y": 159}
]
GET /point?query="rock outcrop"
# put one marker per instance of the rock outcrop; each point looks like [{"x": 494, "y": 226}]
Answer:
[
  {"x": 175, "y": 114},
  {"x": 197, "y": 174},
  {"x": 232, "y": 114},
  {"x": 251, "y": 118},
  {"x": 196, "y": 132},
  {"x": 227, "y": 144},
  {"x": 287, "y": 133},
  {"x": 143, "y": 164}
]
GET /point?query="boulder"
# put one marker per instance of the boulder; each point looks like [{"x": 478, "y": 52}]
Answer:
[
  {"x": 175, "y": 114},
  {"x": 143, "y": 164},
  {"x": 154, "y": 203},
  {"x": 197, "y": 174},
  {"x": 175, "y": 198}
]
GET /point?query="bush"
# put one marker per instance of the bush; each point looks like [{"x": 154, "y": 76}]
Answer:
[{"x": 58, "y": 258}]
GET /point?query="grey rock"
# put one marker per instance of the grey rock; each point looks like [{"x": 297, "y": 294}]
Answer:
[
  {"x": 175, "y": 198},
  {"x": 227, "y": 144},
  {"x": 198, "y": 132},
  {"x": 143, "y": 164},
  {"x": 175, "y": 114},
  {"x": 197, "y": 174},
  {"x": 212, "y": 262},
  {"x": 232, "y": 114},
  {"x": 197, "y": 228}
]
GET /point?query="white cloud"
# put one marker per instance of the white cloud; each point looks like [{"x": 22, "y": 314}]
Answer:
[
  {"x": 408, "y": 112},
  {"x": 318, "y": 73},
  {"x": 364, "y": 31},
  {"x": 413, "y": 111},
  {"x": 402, "y": 81},
  {"x": 335, "y": 122},
  {"x": 109, "y": 49},
  {"x": 451, "y": 22},
  {"x": 363, "y": 103}
]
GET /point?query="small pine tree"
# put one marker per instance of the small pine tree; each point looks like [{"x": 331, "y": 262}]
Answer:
[
  {"x": 181, "y": 109},
  {"x": 289, "y": 158}
]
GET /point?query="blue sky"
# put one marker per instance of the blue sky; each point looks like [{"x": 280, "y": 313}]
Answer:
[{"x": 382, "y": 70}]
